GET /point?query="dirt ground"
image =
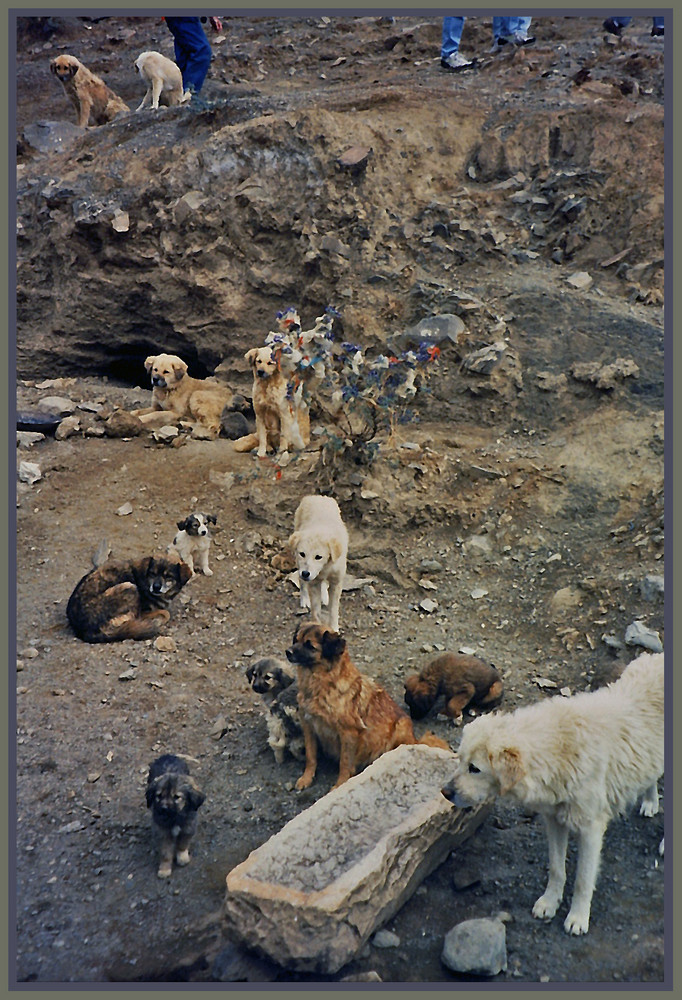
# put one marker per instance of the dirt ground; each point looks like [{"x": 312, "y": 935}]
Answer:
[{"x": 526, "y": 503}]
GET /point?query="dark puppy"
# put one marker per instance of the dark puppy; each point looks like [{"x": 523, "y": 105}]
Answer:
[
  {"x": 353, "y": 718},
  {"x": 126, "y": 599},
  {"x": 462, "y": 680},
  {"x": 174, "y": 798},
  {"x": 271, "y": 679}
]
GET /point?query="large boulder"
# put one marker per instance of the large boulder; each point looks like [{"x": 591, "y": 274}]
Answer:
[{"x": 312, "y": 895}]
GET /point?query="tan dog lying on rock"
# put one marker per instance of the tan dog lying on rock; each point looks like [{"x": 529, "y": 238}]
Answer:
[{"x": 177, "y": 396}]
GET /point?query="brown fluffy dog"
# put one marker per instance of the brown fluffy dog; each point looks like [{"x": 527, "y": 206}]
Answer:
[
  {"x": 89, "y": 94},
  {"x": 174, "y": 799},
  {"x": 126, "y": 599},
  {"x": 462, "y": 680},
  {"x": 281, "y": 422},
  {"x": 354, "y": 720},
  {"x": 177, "y": 396}
]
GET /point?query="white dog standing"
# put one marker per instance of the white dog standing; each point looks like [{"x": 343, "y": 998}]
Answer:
[
  {"x": 579, "y": 762},
  {"x": 163, "y": 79},
  {"x": 194, "y": 540},
  {"x": 320, "y": 546}
]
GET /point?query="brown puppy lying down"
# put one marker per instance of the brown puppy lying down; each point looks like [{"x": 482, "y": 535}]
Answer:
[
  {"x": 177, "y": 396},
  {"x": 126, "y": 599},
  {"x": 352, "y": 717},
  {"x": 462, "y": 680}
]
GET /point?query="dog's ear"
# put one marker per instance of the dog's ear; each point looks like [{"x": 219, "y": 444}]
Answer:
[
  {"x": 195, "y": 796},
  {"x": 507, "y": 765},
  {"x": 294, "y": 540},
  {"x": 184, "y": 573},
  {"x": 182, "y": 525},
  {"x": 283, "y": 678},
  {"x": 53, "y": 65},
  {"x": 149, "y": 363},
  {"x": 335, "y": 549},
  {"x": 249, "y": 672},
  {"x": 151, "y": 793},
  {"x": 211, "y": 518},
  {"x": 251, "y": 355},
  {"x": 180, "y": 369},
  {"x": 333, "y": 645},
  {"x": 143, "y": 565}
]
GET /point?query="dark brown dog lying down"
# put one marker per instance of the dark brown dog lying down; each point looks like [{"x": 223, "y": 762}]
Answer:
[
  {"x": 460, "y": 679},
  {"x": 126, "y": 599}
]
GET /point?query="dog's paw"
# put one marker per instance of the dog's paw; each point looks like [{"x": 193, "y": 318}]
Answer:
[
  {"x": 305, "y": 781},
  {"x": 545, "y": 907},
  {"x": 648, "y": 808},
  {"x": 182, "y": 858},
  {"x": 165, "y": 870},
  {"x": 577, "y": 922},
  {"x": 208, "y": 572},
  {"x": 661, "y": 846}
]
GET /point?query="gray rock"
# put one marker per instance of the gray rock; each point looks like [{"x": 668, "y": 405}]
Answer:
[
  {"x": 26, "y": 439},
  {"x": 60, "y": 404},
  {"x": 311, "y": 897},
  {"x": 651, "y": 587},
  {"x": 122, "y": 424},
  {"x": 477, "y": 947},
  {"x": 638, "y": 634},
  {"x": 234, "y": 425},
  {"x": 67, "y": 427},
  {"x": 385, "y": 939},
  {"x": 48, "y": 136}
]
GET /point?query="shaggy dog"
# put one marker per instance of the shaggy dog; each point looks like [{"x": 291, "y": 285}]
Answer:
[
  {"x": 126, "y": 599},
  {"x": 281, "y": 422},
  {"x": 163, "y": 79},
  {"x": 177, "y": 396},
  {"x": 320, "y": 546},
  {"x": 272, "y": 680},
  {"x": 579, "y": 762},
  {"x": 194, "y": 539},
  {"x": 89, "y": 94},
  {"x": 462, "y": 680},
  {"x": 174, "y": 799},
  {"x": 350, "y": 715}
]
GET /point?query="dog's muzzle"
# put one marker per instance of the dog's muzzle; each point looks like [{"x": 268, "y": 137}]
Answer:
[
  {"x": 452, "y": 795},
  {"x": 304, "y": 574},
  {"x": 159, "y": 381}
]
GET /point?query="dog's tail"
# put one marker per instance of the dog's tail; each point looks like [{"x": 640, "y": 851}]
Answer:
[
  {"x": 246, "y": 443},
  {"x": 431, "y": 740}
]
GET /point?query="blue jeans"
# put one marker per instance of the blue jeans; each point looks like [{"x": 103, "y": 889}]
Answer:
[
  {"x": 192, "y": 50},
  {"x": 623, "y": 22},
  {"x": 452, "y": 34},
  {"x": 504, "y": 27}
]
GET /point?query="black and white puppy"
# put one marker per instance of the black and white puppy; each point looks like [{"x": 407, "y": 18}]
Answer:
[
  {"x": 193, "y": 540},
  {"x": 273, "y": 681},
  {"x": 174, "y": 799}
]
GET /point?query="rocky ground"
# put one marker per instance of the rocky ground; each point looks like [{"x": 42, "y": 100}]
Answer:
[{"x": 520, "y": 515}]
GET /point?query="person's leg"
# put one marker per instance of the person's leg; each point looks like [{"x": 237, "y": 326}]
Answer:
[
  {"x": 452, "y": 35},
  {"x": 657, "y": 28},
  {"x": 520, "y": 26},
  {"x": 501, "y": 28},
  {"x": 615, "y": 25},
  {"x": 195, "y": 49}
]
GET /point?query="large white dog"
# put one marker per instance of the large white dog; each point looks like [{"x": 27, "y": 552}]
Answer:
[
  {"x": 320, "y": 546},
  {"x": 579, "y": 762}
]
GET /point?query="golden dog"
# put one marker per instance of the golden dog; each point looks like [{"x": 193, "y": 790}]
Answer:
[
  {"x": 281, "y": 422},
  {"x": 126, "y": 599},
  {"x": 89, "y": 94},
  {"x": 163, "y": 79},
  {"x": 320, "y": 546},
  {"x": 352, "y": 717},
  {"x": 578, "y": 761},
  {"x": 462, "y": 680},
  {"x": 177, "y": 396}
]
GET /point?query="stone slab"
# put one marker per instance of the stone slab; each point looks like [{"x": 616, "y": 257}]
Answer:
[{"x": 311, "y": 896}]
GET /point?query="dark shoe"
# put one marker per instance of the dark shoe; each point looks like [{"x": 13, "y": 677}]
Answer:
[
  {"x": 657, "y": 32},
  {"x": 455, "y": 63},
  {"x": 612, "y": 27},
  {"x": 521, "y": 38}
]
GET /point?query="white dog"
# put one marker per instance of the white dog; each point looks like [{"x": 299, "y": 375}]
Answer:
[
  {"x": 579, "y": 762},
  {"x": 163, "y": 79},
  {"x": 194, "y": 540},
  {"x": 320, "y": 546}
]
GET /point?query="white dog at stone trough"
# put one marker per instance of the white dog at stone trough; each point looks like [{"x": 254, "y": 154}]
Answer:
[
  {"x": 320, "y": 546},
  {"x": 579, "y": 761}
]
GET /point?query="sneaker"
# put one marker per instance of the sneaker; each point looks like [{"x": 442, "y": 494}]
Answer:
[
  {"x": 455, "y": 62},
  {"x": 521, "y": 38},
  {"x": 657, "y": 32},
  {"x": 612, "y": 27},
  {"x": 498, "y": 43}
]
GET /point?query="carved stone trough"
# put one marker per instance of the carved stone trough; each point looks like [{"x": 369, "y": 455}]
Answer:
[{"x": 312, "y": 895}]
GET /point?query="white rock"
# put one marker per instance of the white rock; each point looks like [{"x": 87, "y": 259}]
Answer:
[
  {"x": 62, "y": 404},
  {"x": 638, "y": 634},
  {"x": 312, "y": 896},
  {"x": 477, "y": 947},
  {"x": 29, "y": 472},
  {"x": 580, "y": 279},
  {"x": 26, "y": 439}
]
